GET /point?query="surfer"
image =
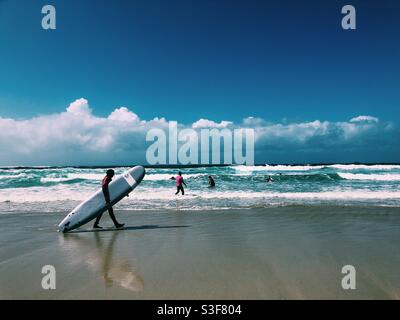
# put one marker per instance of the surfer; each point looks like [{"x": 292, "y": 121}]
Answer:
[
  {"x": 211, "y": 182},
  {"x": 179, "y": 183},
  {"x": 269, "y": 179},
  {"x": 106, "y": 181}
]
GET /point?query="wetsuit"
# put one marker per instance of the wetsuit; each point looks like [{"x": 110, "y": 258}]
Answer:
[
  {"x": 179, "y": 186},
  {"x": 104, "y": 185}
]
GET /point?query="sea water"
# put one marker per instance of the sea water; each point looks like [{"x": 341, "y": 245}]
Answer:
[{"x": 48, "y": 189}]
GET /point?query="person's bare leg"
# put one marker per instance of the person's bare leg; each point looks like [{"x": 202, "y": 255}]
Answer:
[{"x": 116, "y": 223}]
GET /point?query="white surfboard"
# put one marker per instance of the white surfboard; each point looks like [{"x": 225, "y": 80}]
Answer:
[{"x": 91, "y": 208}]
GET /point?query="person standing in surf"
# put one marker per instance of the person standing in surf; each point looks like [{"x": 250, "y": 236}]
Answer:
[
  {"x": 179, "y": 183},
  {"x": 106, "y": 181},
  {"x": 211, "y": 182}
]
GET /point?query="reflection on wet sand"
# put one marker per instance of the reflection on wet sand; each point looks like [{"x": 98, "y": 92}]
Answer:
[{"x": 98, "y": 255}]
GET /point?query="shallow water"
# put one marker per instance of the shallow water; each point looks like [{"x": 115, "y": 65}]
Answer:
[{"x": 56, "y": 189}]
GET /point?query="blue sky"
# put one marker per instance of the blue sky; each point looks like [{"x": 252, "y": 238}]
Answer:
[{"x": 284, "y": 62}]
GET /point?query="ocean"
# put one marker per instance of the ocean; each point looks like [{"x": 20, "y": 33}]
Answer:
[{"x": 51, "y": 189}]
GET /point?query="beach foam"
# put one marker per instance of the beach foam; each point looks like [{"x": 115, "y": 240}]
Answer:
[
  {"x": 277, "y": 168},
  {"x": 167, "y": 176},
  {"x": 373, "y": 177},
  {"x": 365, "y": 167}
]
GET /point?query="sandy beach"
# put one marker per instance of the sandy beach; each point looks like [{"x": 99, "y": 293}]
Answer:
[{"x": 292, "y": 252}]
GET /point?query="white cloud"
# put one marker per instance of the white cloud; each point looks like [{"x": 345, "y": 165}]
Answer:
[
  {"x": 79, "y": 107},
  {"x": 204, "y": 123},
  {"x": 365, "y": 118},
  {"x": 124, "y": 115},
  {"x": 253, "y": 122},
  {"x": 79, "y": 137}
]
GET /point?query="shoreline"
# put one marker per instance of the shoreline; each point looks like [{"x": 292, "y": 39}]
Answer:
[
  {"x": 270, "y": 253},
  {"x": 354, "y": 208}
]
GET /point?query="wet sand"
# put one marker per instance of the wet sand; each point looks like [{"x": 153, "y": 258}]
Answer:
[{"x": 274, "y": 253}]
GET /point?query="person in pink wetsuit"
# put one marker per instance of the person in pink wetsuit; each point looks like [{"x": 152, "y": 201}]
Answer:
[{"x": 179, "y": 183}]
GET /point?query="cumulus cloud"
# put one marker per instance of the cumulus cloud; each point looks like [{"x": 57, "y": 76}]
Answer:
[
  {"x": 124, "y": 115},
  {"x": 79, "y": 107},
  {"x": 254, "y": 122},
  {"x": 78, "y": 137},
  {"x": 321, "y": 134},
  {"x": 204, "y": 123},
  {"x": 364, "y": 118}
]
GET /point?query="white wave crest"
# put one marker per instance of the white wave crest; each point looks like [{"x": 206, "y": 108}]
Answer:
[
  {"x": 277, "y": 168},
  {"x": 47, "y": 180},
  {"x": 232, "y": 195},
  {"x": 87, "y": 176},
  {"x": 316, "y": 167},
  {"x": 14, "y": 176},
  {"x": 71, "y": 177},
  {"x": 59, "y": 193},
  {"x": 166, "y": 176},
  {"x": 99, "y": 177},
  {"x": 364, "y": 167},
  {"x": 373, "y": 177}
]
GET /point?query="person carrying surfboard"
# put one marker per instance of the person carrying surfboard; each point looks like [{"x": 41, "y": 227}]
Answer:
[
  {"x": 179, "y": 183},
  {"x": 106, "y": 181}
]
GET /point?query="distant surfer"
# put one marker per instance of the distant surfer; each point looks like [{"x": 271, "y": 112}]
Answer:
[
  {"x": 179, "y": 183},
  {"x": 106, "y": 181},
  {"x": 269, "y": 179},
  {"x": 211, "y": 182}
]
